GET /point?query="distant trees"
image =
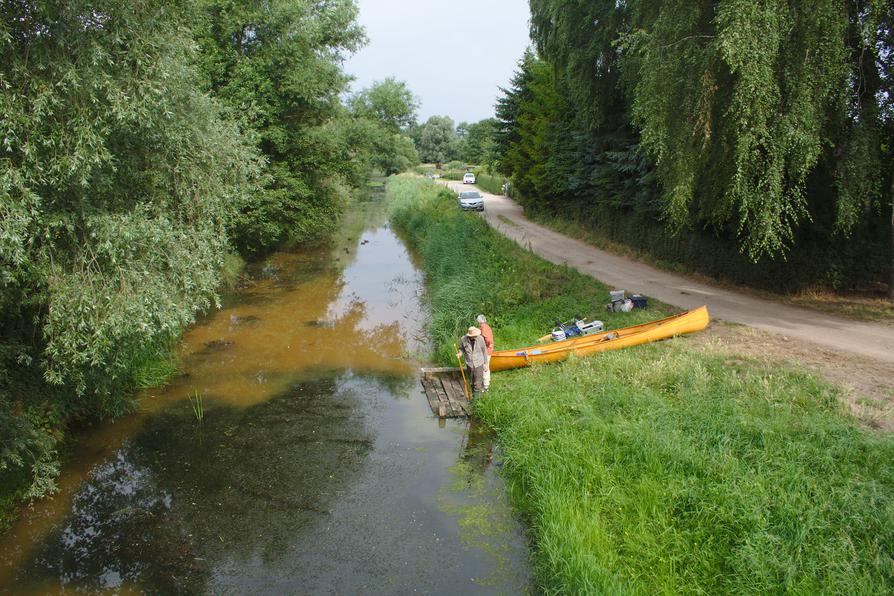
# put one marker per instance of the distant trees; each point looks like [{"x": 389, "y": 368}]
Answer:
[
  {"x": 389, "y": 102},
  {"x": 436, "y": 140},
  {"x": 376, "y": 133},
  {"x": 476, "y": 141},
  {"x": 766, "y": 123}
]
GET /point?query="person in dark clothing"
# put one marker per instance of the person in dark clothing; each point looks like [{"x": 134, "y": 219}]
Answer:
[{"x": 474, "y": 351}]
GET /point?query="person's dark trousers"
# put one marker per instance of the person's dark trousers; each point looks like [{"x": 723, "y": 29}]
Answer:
[{"x": 477, "y": 374}]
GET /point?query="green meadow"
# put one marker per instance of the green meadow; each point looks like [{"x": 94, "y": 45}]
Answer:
[{"x": 661, "y": 468}]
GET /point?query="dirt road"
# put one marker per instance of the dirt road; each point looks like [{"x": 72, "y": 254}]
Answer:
[{"x": 864, "y": 339}]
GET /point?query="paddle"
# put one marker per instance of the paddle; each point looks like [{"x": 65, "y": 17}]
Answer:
[{"x": 465, "y": 383}]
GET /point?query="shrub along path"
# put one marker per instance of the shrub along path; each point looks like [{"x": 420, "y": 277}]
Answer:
[{"x": 870, "y": 340}]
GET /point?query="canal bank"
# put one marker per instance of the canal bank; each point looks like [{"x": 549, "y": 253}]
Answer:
[
  {"x": 673, "y": 467},
  {"x": 316, "y": 466}
]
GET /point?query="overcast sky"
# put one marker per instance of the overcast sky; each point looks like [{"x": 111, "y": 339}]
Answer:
[{"x": 453, "y": 54}]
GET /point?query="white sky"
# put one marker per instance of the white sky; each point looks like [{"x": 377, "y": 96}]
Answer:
[{"x": 453, "y": 54}]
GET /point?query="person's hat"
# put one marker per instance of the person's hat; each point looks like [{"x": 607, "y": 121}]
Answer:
[{"x": 473, "y": 331}]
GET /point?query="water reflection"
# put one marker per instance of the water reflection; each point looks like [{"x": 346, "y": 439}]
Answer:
[
  {"x": 317, "y": 465},
  {"x": 477, "y": 499},
  {"x": 122, "y": 499},
  {"x": 249, "y": 352},
  {"x": 181, "y": 499}
]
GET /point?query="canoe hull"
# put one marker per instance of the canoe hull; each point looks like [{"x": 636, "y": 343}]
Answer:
[{"x": 685, "y": 322}]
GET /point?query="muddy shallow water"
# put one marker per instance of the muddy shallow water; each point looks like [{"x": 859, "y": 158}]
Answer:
[{"x": 317, "y": 466}]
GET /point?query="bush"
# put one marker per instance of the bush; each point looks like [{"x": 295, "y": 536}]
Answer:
[
  {"x": 113, "y": 209},
  {"x": 814, "y": 260},
  {"x": 489, "y": 182}
]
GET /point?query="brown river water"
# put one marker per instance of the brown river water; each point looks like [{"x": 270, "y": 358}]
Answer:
[{"x": 317, "y": 466}]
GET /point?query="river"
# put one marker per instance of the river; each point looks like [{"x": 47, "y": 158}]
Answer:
[{"x": 294, "y": 454}]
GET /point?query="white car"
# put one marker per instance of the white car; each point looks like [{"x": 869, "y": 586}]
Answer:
[{"x": 469, "y": 178}]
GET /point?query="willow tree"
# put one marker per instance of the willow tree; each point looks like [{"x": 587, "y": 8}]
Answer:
[
  {"x": 118, "y": 178},
  {"x": 580, "y": 39},
  {"x": 278, "y": 64},
  {"x": 374, "y": 132},
  {"x": 739, "y": 101}
]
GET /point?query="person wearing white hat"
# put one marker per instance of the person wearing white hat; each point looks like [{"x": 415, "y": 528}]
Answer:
[{"x": 473, "y": 349}]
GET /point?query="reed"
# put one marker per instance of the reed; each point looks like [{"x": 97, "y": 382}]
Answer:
[{"x": 198, "y": 406}]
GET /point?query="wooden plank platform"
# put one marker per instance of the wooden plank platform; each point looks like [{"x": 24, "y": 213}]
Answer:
[{"x": 445, "y": 393}]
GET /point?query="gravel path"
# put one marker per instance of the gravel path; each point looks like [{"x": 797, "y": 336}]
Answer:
[{"x": 875, "y": 341}]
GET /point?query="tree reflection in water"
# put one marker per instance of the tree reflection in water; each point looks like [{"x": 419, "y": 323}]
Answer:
[{"x": 235, "y": 490}]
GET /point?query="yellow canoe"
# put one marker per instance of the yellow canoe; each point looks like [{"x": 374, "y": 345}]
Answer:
[{"x": 689, "y": 321}]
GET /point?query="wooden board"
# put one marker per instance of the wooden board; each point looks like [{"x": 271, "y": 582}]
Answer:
[
  {"x": 445, "y": 392},
  {"x": 429, "y": 386}
]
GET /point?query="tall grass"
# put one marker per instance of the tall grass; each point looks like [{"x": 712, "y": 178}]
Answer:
[
  {"x": 658, "y": 469},
  {"x": 154, "y": 364},
  {"x": 471, "y": 270},
  {"x": 231, "y": 272},
  {"x": 489, "y": 182}
]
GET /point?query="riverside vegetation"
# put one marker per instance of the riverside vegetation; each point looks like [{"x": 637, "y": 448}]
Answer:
[
  {"x": 145, "y": 145},
  {"x": 660, "y": 468},
  {"x": 747, "y": 140}
]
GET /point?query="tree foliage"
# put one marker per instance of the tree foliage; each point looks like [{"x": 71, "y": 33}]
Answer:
[
  {"x": 436, "y": 140},
  {"x": 374, "y": 133},
  {"x": 476, "y": 141},
  {"x": 141, "y": 142},
  {"x": 508, "y": 111},
  {"x": 278, "y": 65},
  {"x": 755, "y": 84},
  {"x": 389, "y": 102},
  {"x": 767, "y": 122},
  {"x": 118, "y": 180}
]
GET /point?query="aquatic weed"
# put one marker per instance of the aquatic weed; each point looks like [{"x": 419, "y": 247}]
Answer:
[{"x": 198, "y": 407}]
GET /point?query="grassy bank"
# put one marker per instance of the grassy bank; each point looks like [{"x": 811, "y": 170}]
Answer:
[
  {"x": 468, "y": 267},
  {"x": 657, "y": 468}
]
